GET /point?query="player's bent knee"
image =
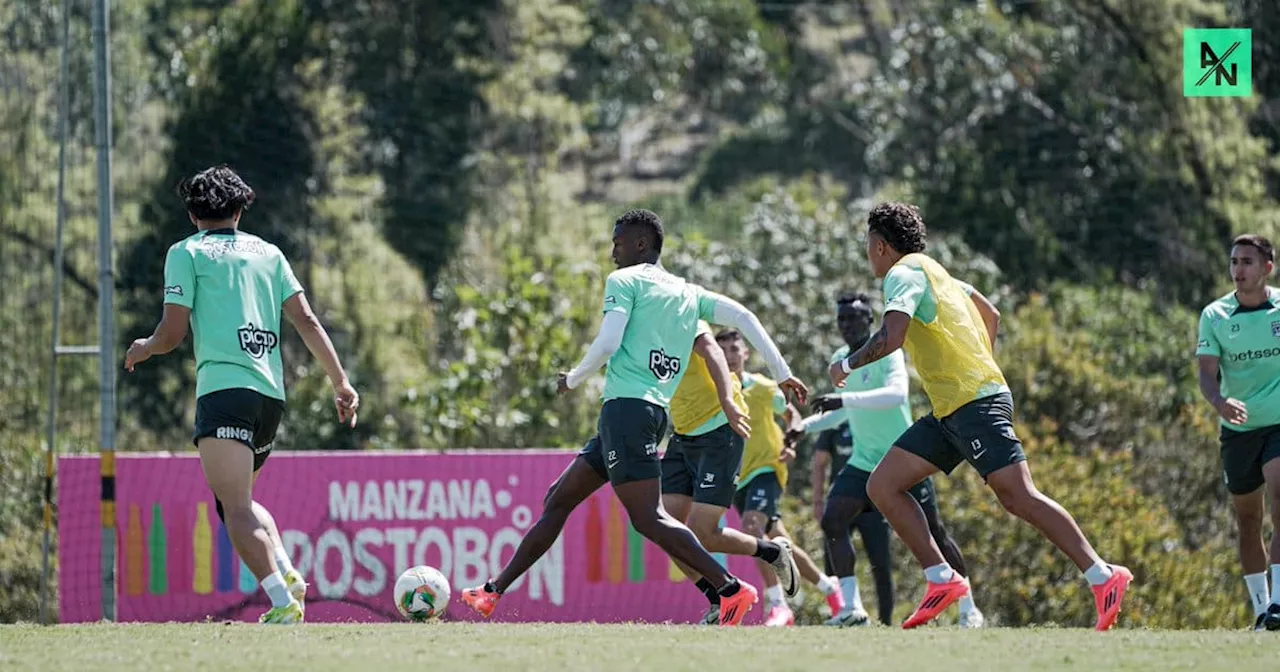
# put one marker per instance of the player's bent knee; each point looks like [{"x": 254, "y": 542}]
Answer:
[{"x": 704, "y": 528}]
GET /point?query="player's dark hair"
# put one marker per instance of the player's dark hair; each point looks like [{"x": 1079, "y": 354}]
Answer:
[
  {"x": 900, "y": 224},
  {"x": 649, "y": 221},
  {"x": 853, "y": 297},
  {"x": 1262, "y": 245},
  {"x": 728, "y": 336},
  {"x": 215, "y": 194}
]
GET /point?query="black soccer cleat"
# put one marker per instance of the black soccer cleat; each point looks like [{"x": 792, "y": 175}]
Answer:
[{"x": 1271, "y": 619}]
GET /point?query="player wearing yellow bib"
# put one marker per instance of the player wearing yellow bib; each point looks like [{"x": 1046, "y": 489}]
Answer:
[
  {"x": 763, "y": 478},
  {"x": 950, "y": 337},
  {"x": 700, "y": 466}
]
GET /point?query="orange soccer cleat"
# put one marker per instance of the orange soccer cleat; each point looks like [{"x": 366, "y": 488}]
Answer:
[
  {"x": 734, "y": 608},
  {"x": 937, "y": 598},
  {"x": 1110, "y": 594},
  {"x": 481, "y": 599}
]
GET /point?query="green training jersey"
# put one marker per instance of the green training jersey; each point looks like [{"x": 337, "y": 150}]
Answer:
[
  {"x": 874, "y": 430},
  {"x": 235, "y": 284},
  {"x": 662, "y": 320},
  {"x": 1246, "y": 342}
]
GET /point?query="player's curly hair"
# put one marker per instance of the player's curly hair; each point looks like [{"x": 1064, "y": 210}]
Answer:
[
  {"x": 1259, "y": 243},
  {"x": 647, "y": 219},
  {"x": 900, "y": 224},
  {"x": 215, "y": 193}
]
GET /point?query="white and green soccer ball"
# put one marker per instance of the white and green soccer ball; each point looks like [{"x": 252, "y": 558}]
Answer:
[{"x": 421, "y": 593}]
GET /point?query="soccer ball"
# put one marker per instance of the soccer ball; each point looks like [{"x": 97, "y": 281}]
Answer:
[{"x": 422, "y": 593}]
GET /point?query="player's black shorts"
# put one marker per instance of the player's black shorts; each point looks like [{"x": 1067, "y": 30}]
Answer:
[
  {"x": 1244, "y": 454},
  {"x": 851, "y": 482},
  {"x": 704, "y": 467},
  {"x": 625, "y": 448},
  {"x": 243, "y": 415},
  {"x": 980, "y": 433},
  {"x": 761, "y": 494}
]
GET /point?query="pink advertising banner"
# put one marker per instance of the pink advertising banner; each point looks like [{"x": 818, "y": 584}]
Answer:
[{"x": 351, "y": 522}]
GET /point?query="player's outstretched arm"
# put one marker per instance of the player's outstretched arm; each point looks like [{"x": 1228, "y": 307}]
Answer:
[
  {"x": 607, "y": 342},
  {"x": 733, "y": 314},
  {"x": 887, "y": 339},
  {"x": 706, "y": 347},
  {"x": 990, "y": 315},
  {"x": 1231, "y": 410},
  {"x": 304, "y": 320},
  {"x": 167, "y": 336},
  {"x": 893, "y": 393}
]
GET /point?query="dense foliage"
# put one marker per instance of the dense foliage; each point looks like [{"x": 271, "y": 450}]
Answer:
[{"x": 444, "y": 175}]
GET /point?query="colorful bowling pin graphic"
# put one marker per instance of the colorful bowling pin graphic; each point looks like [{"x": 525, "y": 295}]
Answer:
[
  {"x": 226, "y": 562},
  {"x": 635, "y": 555},
  {"x": 673, "y": 571},
  {"x": 721, "y": 557},
  {"x": 133, "y": 553},
  {"x": 615, "y": 541},
  {"x": 248, "y": 583},
  {"x": 158, "y": 553},
  {"x": 202, "y": 552},
  {"x": 595, "y": 563}
]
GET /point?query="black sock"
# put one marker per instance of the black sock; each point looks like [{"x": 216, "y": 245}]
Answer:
[
  {"x": 767, "y": 550},
  {"x": 489, "y": 587},
  {"x": 729, "y": 589},
  {"x": 708, "y": 590}
]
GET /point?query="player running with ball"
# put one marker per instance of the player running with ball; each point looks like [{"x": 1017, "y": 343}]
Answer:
[
  {"x": 646, "y": 337},
  {"x": 950, "y": 337},
  {"x": 231, "y": 287}
]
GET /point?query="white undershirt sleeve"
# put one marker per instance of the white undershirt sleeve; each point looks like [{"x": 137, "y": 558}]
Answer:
[
  {"x": 733, "y": 314},
  {"x": 606, "y": 343},
  {"x": 894, "y": 393}
]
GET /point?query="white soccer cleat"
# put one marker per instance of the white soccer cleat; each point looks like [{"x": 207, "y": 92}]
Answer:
[
  {"x": 849, "y": 619},
  {"x": 712, "y": 617},
  {"x": 785, "y": 567},
  {"x": 972, "y": 619}
]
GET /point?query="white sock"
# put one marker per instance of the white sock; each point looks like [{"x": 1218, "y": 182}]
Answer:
[
  {"x": 1275, "y": 584},
  {"x": 282, "y": 560},
  {"x": 275, "y": 589},
  {"x": 773, "y": 596},
  {"x": 966, "y": 604},
  {"x": 852, "y": 597},
  {"x": 1098, "y": 574},
  {"x": 939, "y": 573},
  {"x": 1257, "y": 584},
  {"x": 828, "y": 584}
]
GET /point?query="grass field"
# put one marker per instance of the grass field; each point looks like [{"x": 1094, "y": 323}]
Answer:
[{"x": 491, "y": 647}]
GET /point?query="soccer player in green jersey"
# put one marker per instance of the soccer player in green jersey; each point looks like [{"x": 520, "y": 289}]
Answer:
[
  {"x": 950, "y": 333},
  {"x": 876, "y": 409},
  {"x": 231, "y": 287},
  {"x": 1239, "y": 356},
  {"x": 646, "y": 337}
]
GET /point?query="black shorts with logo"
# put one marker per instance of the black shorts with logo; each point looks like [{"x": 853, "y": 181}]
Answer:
[
  {"x": 761, "y": 494},
  {"x": 625, "y": 447},
  {"x": 851, "y": 482},
  {"x": 1245, "y": 453},
  {"x": 243, "y": 415},
  {"x": 980, "y": 433},
  {"x": 704, "y": 467}
]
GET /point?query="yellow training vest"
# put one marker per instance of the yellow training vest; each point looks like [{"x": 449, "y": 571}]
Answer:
[
  {"x": 764, "y": 449},
  {"x": 696, "y": 402},
  {"x": 952, "y": 354}
]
